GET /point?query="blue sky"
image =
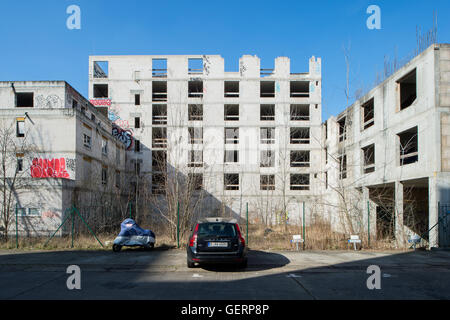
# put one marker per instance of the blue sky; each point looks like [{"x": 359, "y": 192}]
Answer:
[{"x": 36, "y": 45}]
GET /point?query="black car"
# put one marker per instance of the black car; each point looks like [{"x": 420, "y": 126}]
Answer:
[{"x": 216, "y": 240}]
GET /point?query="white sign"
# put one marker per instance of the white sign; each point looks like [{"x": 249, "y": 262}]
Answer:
[{"x": 297, "y": 238}]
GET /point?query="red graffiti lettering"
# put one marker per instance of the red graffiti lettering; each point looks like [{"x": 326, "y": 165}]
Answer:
[
  {"x": 49, "y": 168},
  {"x": 100, "y": 102}
]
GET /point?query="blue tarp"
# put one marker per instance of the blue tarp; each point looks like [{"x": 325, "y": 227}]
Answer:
[{"x": 129, "y": 228}]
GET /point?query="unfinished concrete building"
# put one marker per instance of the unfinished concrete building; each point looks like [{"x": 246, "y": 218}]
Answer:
[
  {"x": 58, "y": 151},
  {"x": 251, "y": 136},
  {"x": 387, "y": 156}
]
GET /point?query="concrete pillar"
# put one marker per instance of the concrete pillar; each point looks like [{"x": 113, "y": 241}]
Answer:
[
  {"x": 399, "y": 227},
  {"x": 433, "y": 212}
]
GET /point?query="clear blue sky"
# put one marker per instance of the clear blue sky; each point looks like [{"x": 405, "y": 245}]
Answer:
[{"x": 36, "y": 45}]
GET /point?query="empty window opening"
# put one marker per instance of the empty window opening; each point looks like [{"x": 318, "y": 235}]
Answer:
[
  {"x": 326, "y": 180},
  {"x": 231, "y": 89},
  {"x": 267, "y": 89},
  {"x": 231, "y": 135},
  {"x": 368, "y": 113},
  {"x": 267, "y": 112},
  {"x": 342, "y": 166},
  {"x": 195, "y": 89},
  {"x": 104, "y": 146},
  {"x": 195, "y": 112},
  {"x": 300, "y": 158},
  {"x": 101, "y": 69},
  {"x": 267, "y": 159},
  {"x": 231, "y": 181},
  {"x": 159, "y": 161},
  {"x": 231, "y": 112},
  {"x": 137, "y": 167},
  {"x": 137, "y": 145},
  {"x": 300, "y": 136},
  {"x": 25, "y": 99},
  {"x": 87, "y": 141},
  {"x": 195, "y": 158},
  {"x": 159, "y": 68},
  {"x": 195, "y": 135},
  {"x": 195, "y": 181},
  {"x": 104, "y": 175},
  {"x": 158, "y": 183},
  {"x": 299, "y": 89},
  {"x": 159, "y": 137},
  {"x": 159, "y": 114},
  {"x": 100, "y": 91},
  {"x": 299, "y": 181},
  {"x": 137, "y": 122},
  {"x": 408, "y": 89},
  {"x": 267, "y": 135},
  {"x": 300, "y": 112},
  {"x": 231, "y": 156},
  {"x": 409, "y": 152},
  {"x": 267, "y": 182},
  {"x": 117, "y": 179},
  {"x": 137, "y": 99},
  {"x": 342, "y": 123},
  {"x": 195, "y": 66},
  {"x": 19, "y": 164},
  {"x": 20, "y": 128},
  {"x": 369, "y": 158},
  {"x": 159, "y": 91}
]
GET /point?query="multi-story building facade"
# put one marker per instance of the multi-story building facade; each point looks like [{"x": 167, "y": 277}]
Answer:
[
  {"x": 388, "y": 155},
  {"x": 251, "y": 136},
  {"x": 59, "y": 151}
]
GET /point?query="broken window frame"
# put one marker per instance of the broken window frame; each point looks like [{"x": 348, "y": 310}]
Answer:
[
  {"x": 230, "y": 113},
  {"x": 409, "y": 150},
  {"x": 267, "y": 135},
  {"x": 342, "y": 159},
  {"x": 304, "y": 178},
  {"x": 297, "y": 112},
  {"x": 159, "y": 137},
  {"x": 368, "y": 114},
  {"x": 267, "y": 182},
  {"x": 300, "y": 158},
  {"x": 368, "y": 155},
  {"x": 195, "y": 135},
  {"x": 87, "y": 141},
  {"x": 230, "y": 180},
  {"x": 304, "y": 136},
  {"x": 159, "y": 114},
  {"x": 99, "y": 72},
  {"x": 231, "y": 139},
  {"x": 195, "y": 112},
  {"x": 342, "y": 126},
  {"x": 267, "y": 115}
]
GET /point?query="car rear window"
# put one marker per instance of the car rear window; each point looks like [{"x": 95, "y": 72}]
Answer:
[{"x": 217, "y": 229}]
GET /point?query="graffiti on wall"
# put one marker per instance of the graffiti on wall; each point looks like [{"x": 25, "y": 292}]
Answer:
[
  {"x": 100, "y": 102},
  {"x": 50, "y": 215},
  {"x": 49, "y": 102},
  {"x": 70, "y": 164},
  {"x": 125, "y": 136},
  {"x": 49, "y": 168}
]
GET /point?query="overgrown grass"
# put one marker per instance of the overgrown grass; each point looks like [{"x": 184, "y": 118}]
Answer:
[{"x": 319, "y": 236}]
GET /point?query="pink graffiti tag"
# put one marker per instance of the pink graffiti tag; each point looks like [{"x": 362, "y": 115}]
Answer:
[
  {"x": 49, "y": 215},
  {"x": 49, "y": 168}
]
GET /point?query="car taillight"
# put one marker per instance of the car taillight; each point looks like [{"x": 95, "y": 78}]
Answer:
[
  {"x": 193, "y": 239},
  {"x": 241, "y": 239}
]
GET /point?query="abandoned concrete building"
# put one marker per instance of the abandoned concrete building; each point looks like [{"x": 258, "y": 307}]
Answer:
[{"x": 59, "y": 152}]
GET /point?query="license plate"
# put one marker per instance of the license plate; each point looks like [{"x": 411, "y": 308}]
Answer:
[{"x": 217, "y": 244}]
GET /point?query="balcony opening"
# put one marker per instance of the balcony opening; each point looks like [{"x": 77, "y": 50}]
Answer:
[
  {"x": 267, "y": 135},
  {"x": 100, "y": 91},
  {"x": 25, "y": 99},
  {"x": 158, "y": 183},
  {"x": 231, "y": 112},
  {"x": 267, "y": 159},
  {"x": 267, "y": 112},
  {"x": 299, "y": 89},
  {"x": 368, "y": 114},
  {"x": 195, "y": 181},
  {"x": 195, "y": 112},
  {"x": 409, "y": 152},
  {"x": 159, "y": 68},
  {"x": 195, "y": 158},
  {"x": 159, "y": 114},
  {"x": 408, "y": 89},
  {"x": 195, "y": 66},
  {"x": 231, "y": 156},
  {"x": 195, "y": 89},
  {"x": 231, "y": 135},
  {"x": 342, "y": 123},
  {"x": 137, "y": 99},
  {"x": 231, "y": 89},
  {"x": 299, "y": 112},
  {"x": 159, "y": 90},
  {"x": 231, "y": 181},
  {"x": 300, "y": 159},
  {"x": 342, "y": 166},
  {"x": 267, "y": 182},
  {"x": 159, "y": 161},
  {"x": 267, "y": 89},
  {"x": 101, "y": 69},
  {"x": 369, "y": 158},
  {"x": 195, "y": 135},
  {"x": 159, "y": 137},
  {"x": 300, "y": 136},
  {"x": 299, "y": 181}
]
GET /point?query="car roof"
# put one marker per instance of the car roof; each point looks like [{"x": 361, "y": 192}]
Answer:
[{"x": 217, "y": 219}]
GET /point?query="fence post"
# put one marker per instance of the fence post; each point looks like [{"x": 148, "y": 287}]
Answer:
[
  {"x": 73, "y": 223},
  {"x": 368, "y": 223},
  {"x": 17, "y": 231},
  {"x": 130, "y": 208},
  {"x": 246, "y": 240},
  {"x": 303, "y": 222},
  {"x": 178, "y": 224}
]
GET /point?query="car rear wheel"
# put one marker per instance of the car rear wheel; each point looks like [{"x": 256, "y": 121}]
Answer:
[
  {"x": 116, "y": 247},
  {"x": 243, "y": 264},
  {"x": 190, "y": 264}
]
